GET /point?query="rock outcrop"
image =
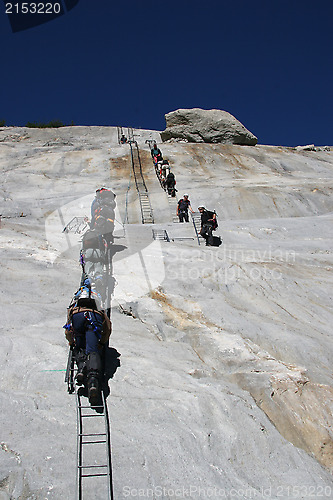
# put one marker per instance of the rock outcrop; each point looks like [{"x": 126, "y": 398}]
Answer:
[
  {"x": 202, "y": 125},
  {"x": 312, "y": 147}
]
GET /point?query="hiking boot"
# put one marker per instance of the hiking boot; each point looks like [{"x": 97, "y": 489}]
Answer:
[
  {"x": 94, "y": 376},
  {"x": 80, "y": 378},
  {"x": 80, "y": 357},
  {"x": 93, "y": 390}
]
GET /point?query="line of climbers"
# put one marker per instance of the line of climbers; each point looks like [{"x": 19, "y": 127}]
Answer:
[
  {"x": 166, "y": 177},
  {"x": 168, "y": 183},
  {"x": 88, "y": 325}
]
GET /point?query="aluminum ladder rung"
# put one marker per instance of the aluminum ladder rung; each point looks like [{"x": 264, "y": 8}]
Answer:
[
  {"x": 92, "y": 434},
  {"x": 95, "y": 434},
  {"x": 93, "y": 415},
  {"x": 90, "y": 407},
  {"x": 94, "y": 442},
  {"x": 91, "y": 466},
  {"x": 95, "y": 475}
]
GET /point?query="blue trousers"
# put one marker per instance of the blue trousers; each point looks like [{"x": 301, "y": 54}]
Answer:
[{"x": 87, "y": 330}]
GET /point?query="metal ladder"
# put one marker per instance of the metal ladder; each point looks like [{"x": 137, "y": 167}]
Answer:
[
  {"x": 160, "y": 234},
  {"x": 145, "y": 206},
  {"x": 120, "y": 133},
  {"x": 173, "y": 207},
  {"x": 96, "y": 436},
  {"x": 76, "y": 225},
  {"x": 130, "y": 133},
  {"x": 196, "y": 220},
  {"x": 90, "y": 437}
]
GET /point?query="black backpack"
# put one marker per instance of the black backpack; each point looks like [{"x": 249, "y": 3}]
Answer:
[{"x": 90, "y": 239}]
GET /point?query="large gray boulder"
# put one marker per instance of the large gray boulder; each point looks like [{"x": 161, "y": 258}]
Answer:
[{"x": 203, "y": 125}]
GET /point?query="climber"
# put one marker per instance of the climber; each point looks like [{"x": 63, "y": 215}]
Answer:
[
  {"x": 156, "y": 154},
  {"x": 170, "y": 183},
  {"x": 208, "y": 224},
  {"x": 104, "y": 223},
  {"x": 102, "y": 213},
  {"x": 87, "y": 330},
  {"x": 184, "y": 205},
  {"x": 165, "y": 168},
  {"x": 93, "y": 259},
  {"x": 103, "y": 197},
  {"x": 123, "y": 139}
]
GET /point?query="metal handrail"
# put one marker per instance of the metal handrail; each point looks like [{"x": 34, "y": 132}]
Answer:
[{"x": 120, "y": 133}]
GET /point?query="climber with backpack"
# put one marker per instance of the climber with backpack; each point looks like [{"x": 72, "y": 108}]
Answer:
[
  {"x": 156, "y": 154},
  {"x": 102, "y": 213},
  {"x": 170, "y": 184},
  {"x": 104, "y": 198},
  {"x": 208, "y": 225},
  {"x": 87, "y": 330}
]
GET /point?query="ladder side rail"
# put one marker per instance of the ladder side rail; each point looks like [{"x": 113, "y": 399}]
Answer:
[
  {"x": 126, "y": 200},
  {"x": 133, "y": 168},
  {"x": 136, "y": 181},
  {"x": 142, "y": 210},
  {"x": 79, "y": 448},
  {"x": 108, "y": 447},
  {"x": 139, "y": 159},
  {"x": 145, "y": 192},
  {"x": 195, "y": 228},
  {"x": 130, "y": 134},
  {"x": 120, "y": 133},
  {"x": 69, "y": 376},
  {"x": 67, "y": 228}
]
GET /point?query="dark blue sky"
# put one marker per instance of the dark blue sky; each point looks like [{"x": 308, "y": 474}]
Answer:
[{"x": 267, "y": 62}]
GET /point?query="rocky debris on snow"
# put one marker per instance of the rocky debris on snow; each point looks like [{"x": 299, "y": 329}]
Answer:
[
  {"x": 312, "y": 147},
  {"x": 202, "y": 125}
]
